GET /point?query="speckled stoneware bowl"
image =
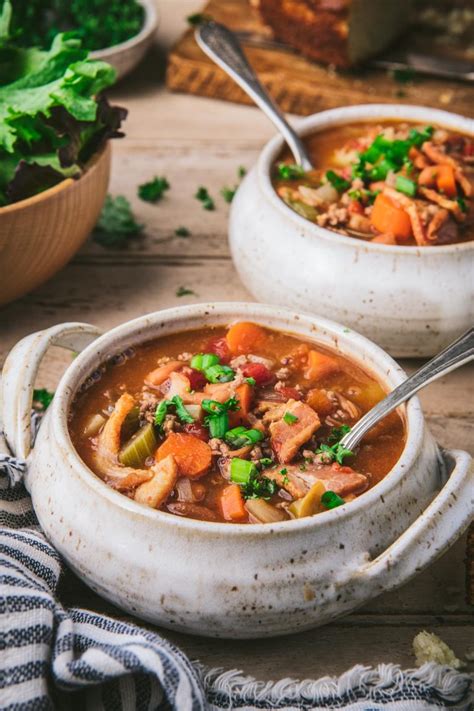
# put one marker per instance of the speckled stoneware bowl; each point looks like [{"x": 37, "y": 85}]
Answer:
[
  {"x": 219, "y": 579},
  {"x": 125, "y": 56},
  {"x": 412, "y": 301}
]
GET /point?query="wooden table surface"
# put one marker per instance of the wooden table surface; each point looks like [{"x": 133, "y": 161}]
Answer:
[{"x": 194, "y": 142}]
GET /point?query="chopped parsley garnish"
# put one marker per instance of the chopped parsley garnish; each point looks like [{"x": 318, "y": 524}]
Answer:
[
  {"x": 341, "y": 184},
  {"x": 42, "y": 398},
  {"x": 177, "y": 402},
  {"x": 254, "y": 485},
  {"x": 284, "y": 473},
  {"x": 116, "y": 223},
  {"x": 184, "y": 291},
  {"x": 290, "y": 171},
  {"x": 228, "y": 193},
  {"x": 198, "y": 18},
  {"x": 331, "y": 500},
  {"x": 153, "y": 190},
  {"x": 334, "y": 451},
  {"x": 242, "y": 437},
  {"x": 204, "y": 198},
  {"x": 289, "y": 418},
  {"x": 182, "y": 232}
]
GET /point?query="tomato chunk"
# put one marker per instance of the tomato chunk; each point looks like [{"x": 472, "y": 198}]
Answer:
[
  {"x": 197, "y": 380},
  {"x": 259, "y": 372}
]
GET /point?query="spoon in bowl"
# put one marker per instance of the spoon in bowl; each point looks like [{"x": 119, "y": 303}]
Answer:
[
  {"x": 459, "y": 352},
  {"x": 223, "y": 47}
]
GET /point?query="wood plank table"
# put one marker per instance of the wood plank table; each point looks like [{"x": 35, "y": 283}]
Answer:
[{"x": 195, "y": 141}]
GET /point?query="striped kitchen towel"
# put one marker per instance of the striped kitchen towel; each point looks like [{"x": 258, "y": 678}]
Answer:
[{"x": 57, "y": 658}]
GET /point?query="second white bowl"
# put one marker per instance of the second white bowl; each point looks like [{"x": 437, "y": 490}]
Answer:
[{"x": 412, "y": 301}]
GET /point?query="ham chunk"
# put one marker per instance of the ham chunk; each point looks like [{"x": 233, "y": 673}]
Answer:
[
  {"x": 344, "y": 481},
  {"x": 288, "y": 436}
]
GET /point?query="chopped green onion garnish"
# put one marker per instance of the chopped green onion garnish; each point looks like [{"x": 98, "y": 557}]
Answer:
[
  {"x": 219, "y": 374},
  {"x": 241, "y": 437},
  {"x": 266, "y": 462},
  {"x": 405, "y": 186},
  {"x": 290, "y": 171},
  {"x": 462, "y": 203},
  {"x": 251, "y": 381},
  {"x": 242, "y": 470},
  {"x": 331, "y": 500},
  {"x": 289, "y": 418},
  {"x": 202, "y": 361},
  {"x": 337, "y": 181},
  {"x": 218, "y": 424}
]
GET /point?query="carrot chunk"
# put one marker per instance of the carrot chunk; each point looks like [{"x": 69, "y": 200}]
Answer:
[
  {"x": 445, "y": 180},
  {"x": 388, "y": 217},
  {"x": 192, "y": 455},
  {"x": 245, "y": 337},
  {"x": 243, "y": 395},
  {"x": 232, "y": 503},
  {"x": 320, "y": 365}
]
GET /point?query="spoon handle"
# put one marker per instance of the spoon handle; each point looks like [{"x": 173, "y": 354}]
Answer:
[
  {"x": 223, "y": 47},
  {"x": 459, "y": 352}
]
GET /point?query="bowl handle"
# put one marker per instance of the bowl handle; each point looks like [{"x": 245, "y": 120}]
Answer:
[
  {"x": 433, "y": 532},
  {"x": 19, "y": 375}
]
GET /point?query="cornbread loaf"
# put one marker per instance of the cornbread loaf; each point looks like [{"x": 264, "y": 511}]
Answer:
[{"x": 339, "y": 32}]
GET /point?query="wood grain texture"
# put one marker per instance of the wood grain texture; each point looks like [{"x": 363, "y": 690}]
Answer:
[
  {"x": 298, "y": 85},
  {"x": 196, "y": 141},
  {"x": 39, "y": 235}
]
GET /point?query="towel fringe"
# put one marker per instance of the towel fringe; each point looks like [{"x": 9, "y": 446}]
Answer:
[{"x": 381, "y": 683}]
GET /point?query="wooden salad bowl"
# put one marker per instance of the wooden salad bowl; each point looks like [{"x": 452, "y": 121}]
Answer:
[{"x": 39, "y": 235}]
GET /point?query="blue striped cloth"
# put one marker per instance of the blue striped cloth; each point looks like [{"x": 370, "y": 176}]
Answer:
[{"x": 57, "y": 658}]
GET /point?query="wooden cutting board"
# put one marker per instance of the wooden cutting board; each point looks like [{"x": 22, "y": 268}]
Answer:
[{"x": 298, "y": 85}]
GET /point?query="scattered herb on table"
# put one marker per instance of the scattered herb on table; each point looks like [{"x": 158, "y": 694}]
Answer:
[
  {"x": 241, "y": 171},
  {"x": 117, "y": 223},
  {"x": 198, "y": 18},
  {"x": 403, "y": 76},
  {"x": 153, "y": 190},
  {"x": 98, "y": 23},
  {"x": 204, "y": 198},
  {"x": 228, "y": 193},
  {"x": 53, "y": 117},
  {"x": 182, "y": 232},
  {"x": 42, "y": 398},
  {"x": 184, "y": 291}
]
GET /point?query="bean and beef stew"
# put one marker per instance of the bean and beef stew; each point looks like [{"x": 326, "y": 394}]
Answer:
[
  {"x": 241, "y": 425},
  {"x": 393, "y": 183}
]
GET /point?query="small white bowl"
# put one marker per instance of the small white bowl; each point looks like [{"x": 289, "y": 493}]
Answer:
[
  {"x": 125, "y": 56},
  {"x": 230, "y": 580},
  {"x": 411, "y": 300}
]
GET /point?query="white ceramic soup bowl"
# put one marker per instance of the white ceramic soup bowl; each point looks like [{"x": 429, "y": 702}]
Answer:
[
  {"x": 412, "y": 301},
  {"x": 228, "y": 580}
]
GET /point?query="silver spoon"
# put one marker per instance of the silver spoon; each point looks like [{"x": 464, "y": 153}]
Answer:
[
  {"x": 223, "y": 47},
  {"x": 459, "y": 352}
]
